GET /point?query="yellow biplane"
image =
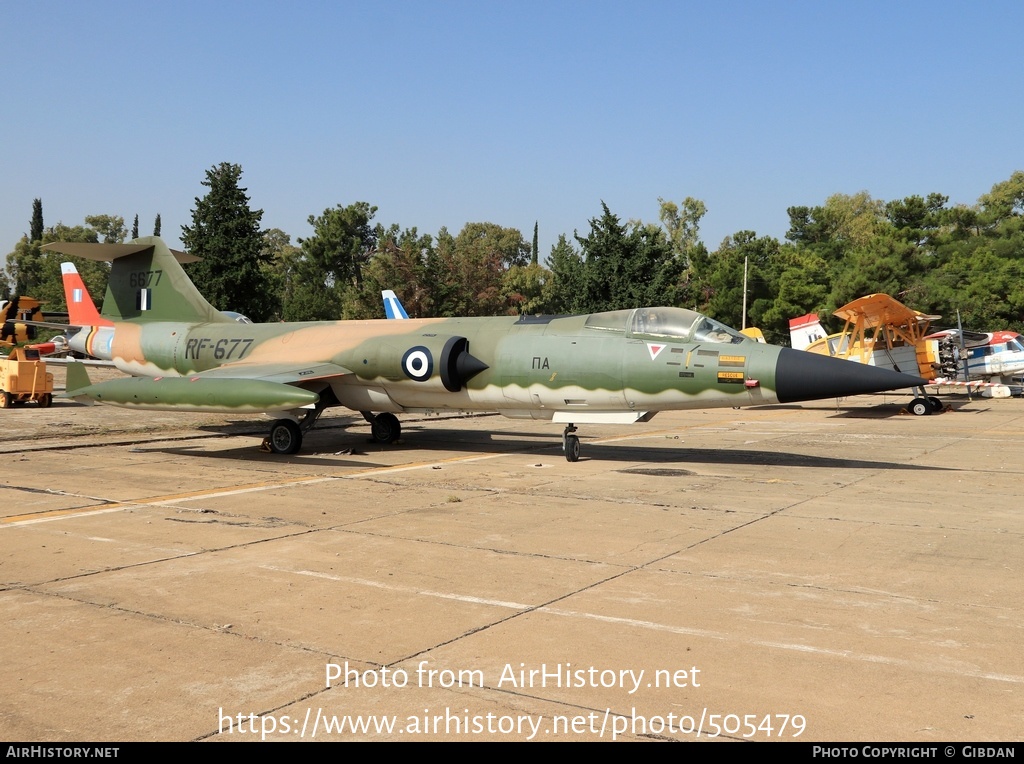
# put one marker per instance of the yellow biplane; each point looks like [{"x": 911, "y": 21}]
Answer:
[{"x": 879, "y": 331}]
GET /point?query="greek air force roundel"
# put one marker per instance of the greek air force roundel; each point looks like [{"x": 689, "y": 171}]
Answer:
[{"x": 417, "y": 364}]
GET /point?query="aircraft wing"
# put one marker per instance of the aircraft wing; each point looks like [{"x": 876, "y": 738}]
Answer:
[
  {"x": 45, "y": 324},
  {"x": 881, "y": 310},
  {"x": 282, "y": 373}
]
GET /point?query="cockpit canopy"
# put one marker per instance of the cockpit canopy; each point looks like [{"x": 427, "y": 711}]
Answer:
[{"x": 676, "y": 323}]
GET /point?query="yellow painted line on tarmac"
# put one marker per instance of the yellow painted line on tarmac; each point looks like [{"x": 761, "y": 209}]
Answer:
[
  {"x": 268, "y": 485},
  {"x": 211, "y": 493},
  {"x": 98, "y": 509},
  {"x": 59, "y": 514}
]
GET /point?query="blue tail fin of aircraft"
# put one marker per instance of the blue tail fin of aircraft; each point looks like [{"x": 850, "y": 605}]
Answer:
[{"x": 392, "y": 305}]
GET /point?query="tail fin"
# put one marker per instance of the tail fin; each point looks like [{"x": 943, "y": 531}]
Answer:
[
  {"x": 147, "y": 283},
  {"x": 81, "y": 309},
  {"x": 805, "y": 330},
  {"x": 392, "y": 305}
]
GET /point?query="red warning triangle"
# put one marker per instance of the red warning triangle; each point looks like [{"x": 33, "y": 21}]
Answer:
[{"x": 654, "y": 349}]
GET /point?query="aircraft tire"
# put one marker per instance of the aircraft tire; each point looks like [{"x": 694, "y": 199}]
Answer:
[
  {"x": 44, "y": 401},
  {"x": 285, "y": 437},
  {"x": 572, "y": 448},
  {"x": 937, "y": 404},
  {"x": 5, "y": 400},
  {"x": 386, "y": 428},
  {"x": 920, "y": 407}
]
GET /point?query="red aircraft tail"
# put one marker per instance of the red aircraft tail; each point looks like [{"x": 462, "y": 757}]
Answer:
[{"x": 81, "y": 309}]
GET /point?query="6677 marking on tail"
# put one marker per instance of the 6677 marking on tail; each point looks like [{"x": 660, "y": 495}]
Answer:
[{"x": 144, "y": 279}]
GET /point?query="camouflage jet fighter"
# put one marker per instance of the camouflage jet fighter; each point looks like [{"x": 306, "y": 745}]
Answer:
[{"x": 617, "y": 367}]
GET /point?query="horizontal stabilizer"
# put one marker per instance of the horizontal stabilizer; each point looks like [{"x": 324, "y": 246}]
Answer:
[{"x": 106, "y": 253}]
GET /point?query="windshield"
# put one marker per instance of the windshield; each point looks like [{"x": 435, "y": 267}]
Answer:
[
  {"x": 665, "y": 322},
  {"x": 677, "y": 323},
  {"x": 710, "y": 330}
]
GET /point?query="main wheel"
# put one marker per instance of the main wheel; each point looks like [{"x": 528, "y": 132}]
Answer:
[
  {"x": 386, "y": 428},
  {"x": 5, "y": 400},
  {"x": 285, "y": 437},
  {"x": 44, "y": 401},
  {"x": 572, "y": 448},
  {"x": 937, "y": 405},
  {"x": 920, "y": 407}
]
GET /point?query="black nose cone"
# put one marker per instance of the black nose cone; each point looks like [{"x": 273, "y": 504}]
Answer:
[{"x": 803, "y": 376}]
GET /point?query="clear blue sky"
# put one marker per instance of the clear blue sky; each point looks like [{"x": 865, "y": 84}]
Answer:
[{"x": 442, "y": 113}]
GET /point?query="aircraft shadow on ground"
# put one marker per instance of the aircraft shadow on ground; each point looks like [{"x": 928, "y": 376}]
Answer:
[
  {"x": 253, "y": 453},
  {"x": 881, "y": 411},
  {"x": 758, "y": 458},
  {"x": 424, "y": 442}
]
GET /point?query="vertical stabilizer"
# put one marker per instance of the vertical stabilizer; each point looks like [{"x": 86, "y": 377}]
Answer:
[
  {"x": 147, "y": 282},
  {"x": 81, "y": 309},
  {"x": 150, "y": 284},
  {"x": 393, "y": 307},
  {"x": 805, "y": 330}
]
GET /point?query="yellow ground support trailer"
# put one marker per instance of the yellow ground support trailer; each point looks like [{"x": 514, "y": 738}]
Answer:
[{"x": 23, "y": 377}]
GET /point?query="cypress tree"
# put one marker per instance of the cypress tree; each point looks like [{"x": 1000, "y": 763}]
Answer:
[
  {"x": 36, "y": 226},
  {"x": 226, "y": 234}
]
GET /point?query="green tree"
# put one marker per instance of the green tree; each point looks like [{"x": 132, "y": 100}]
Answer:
[
  {"x": 917, "y": 219},
  {"x": 627, "y": 267},
  {"x": 37, "y": 273},
  {"x": 329, "y": 268},
  {"x": 682, "y": 224},
  {"x": 225, "y": 233},
  {"x": 95, "y": 274},
  {"x": 724, "y": 278},
  {"x": 1004, "y": 200},
  {"x": 528, "y": 289},
  {"x": 279, "y": 257},
  {"x": 799, "y": 281},
  {"x": 467, "y": 270},
  {"x": 24, "y": 267},
  {"x": 156, "y": 225},
  {"x": 399, "y": 262},
  {"x": 566, "y": 278},
  {"x": 108, "y": 227},
  {"x": 36, "y": 226},
  {"x": 135, "y": 228}
]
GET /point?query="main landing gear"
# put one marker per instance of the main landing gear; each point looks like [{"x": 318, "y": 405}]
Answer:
[
  {"x": 285, "y": 437},
  {"x": 570, "y": 443},
  {"x": 286, "y": 434},
  {"x": 385, "y": 427}
]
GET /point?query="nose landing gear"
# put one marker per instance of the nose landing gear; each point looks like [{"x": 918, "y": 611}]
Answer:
[{"x": 570, "y": 443}]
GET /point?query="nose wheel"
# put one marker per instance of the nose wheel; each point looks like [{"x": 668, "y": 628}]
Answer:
[
  {"x": 570, "y": 444},
  {"x": 926, "y": 404}
]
